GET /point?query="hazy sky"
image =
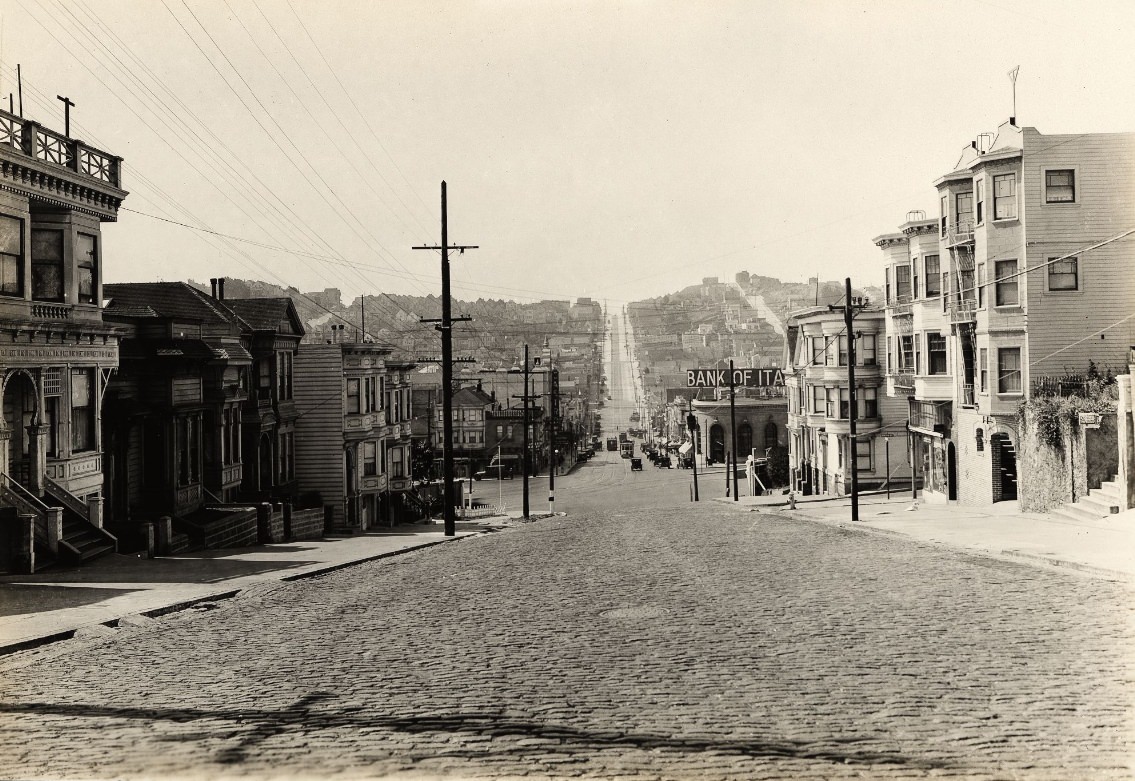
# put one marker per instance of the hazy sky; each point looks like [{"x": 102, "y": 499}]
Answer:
[{"x": 612, "y": 150}]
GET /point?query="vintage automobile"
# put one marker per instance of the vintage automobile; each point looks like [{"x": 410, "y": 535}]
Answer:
[{"x": 636, "y": 464}]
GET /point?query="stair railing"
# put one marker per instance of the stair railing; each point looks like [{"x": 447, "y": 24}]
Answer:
[
  {"x": 48, "y": 520},
  {"x": 66, "y": 498}
]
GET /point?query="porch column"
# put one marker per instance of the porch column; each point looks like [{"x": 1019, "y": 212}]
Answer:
[
  {"x": 37, "y": 458},
  {"x": 5, "y": 440}
]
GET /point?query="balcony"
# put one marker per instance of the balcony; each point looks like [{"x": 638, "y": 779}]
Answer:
[
  {"x": 934, "y": 416},
  {"x": 968, "y": 399},
  {"x": 960, "y": 232},
  {"x": 899, "y": 306},
  {"x": 903, "y": 378},
  {"x": 964, "y": 311},
  {"x": 39, "y": 161}
]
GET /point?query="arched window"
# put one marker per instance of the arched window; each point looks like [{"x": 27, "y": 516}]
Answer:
[{"x": 771, "y": 431}]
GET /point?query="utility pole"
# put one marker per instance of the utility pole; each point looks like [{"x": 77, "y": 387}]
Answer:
[
  {"x": 446, "y": 328},
  {"x": 692, "y": 427},
  {"x": 551, "y": 427},
  {"x": 524, "y": 465},
  {"x": 850, "y": 307},
  {"x": 732, "y": 430}
]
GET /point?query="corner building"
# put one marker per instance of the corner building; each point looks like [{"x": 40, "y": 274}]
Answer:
[
  {"x": 1033, "y": 284},
  {"x": 56, "y": 353}
]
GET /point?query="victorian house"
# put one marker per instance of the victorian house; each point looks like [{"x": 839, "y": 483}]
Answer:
[
  {"x": 174, "y": 412},
  {"x": 272, "y": 332},
  {"x": 341, "y": 430},
  {"x": 820, "y": 457},
  {"x": 56, "y": 351}
]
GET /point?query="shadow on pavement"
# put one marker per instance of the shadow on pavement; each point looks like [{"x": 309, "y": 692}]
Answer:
[
  {"x": 129, "y": 569},
  {"x": 300, "y": 717},
  {"x": 18, "y": 599}
]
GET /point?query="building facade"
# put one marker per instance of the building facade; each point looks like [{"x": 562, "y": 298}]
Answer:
[
  {"x": 819, "y": 444},
  {"x": 57, "y": 354},
  {"x": 1021, "y": 280},
  {"x": 341, "y": 430}
]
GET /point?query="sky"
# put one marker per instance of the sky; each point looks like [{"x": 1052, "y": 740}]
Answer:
[{"x": 611, "y": 150}]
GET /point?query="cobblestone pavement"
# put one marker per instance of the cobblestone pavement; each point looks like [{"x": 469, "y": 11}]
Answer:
[{"x": 662, "y": 643}]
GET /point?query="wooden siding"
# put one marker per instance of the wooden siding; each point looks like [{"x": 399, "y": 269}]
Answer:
[
  {"x": 1104, "y": 165},
  {"x": 319, "y": 401},
  {"x": 185, "y": 390}
]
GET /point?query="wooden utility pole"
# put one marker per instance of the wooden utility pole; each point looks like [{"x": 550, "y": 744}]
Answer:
[
  {"x": 850, "y": 306},
  {"x": 446, "y": 328},
  {"x": 67, "y": 104},
  {"x": 733, "y": 430}
]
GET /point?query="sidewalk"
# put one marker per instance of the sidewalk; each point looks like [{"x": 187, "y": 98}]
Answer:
[
  {"x": 1103, "y": 548},
  {"x": 48, "y": 606}
]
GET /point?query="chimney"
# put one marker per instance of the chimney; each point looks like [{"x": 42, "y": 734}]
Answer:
[
  {"x": 213, "y": 284},
  {"x": 1013, "y": 121},
  {"x": 220, "y": 288}
]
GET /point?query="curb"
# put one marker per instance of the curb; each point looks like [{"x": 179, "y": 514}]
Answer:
[
  {"x": 176, "y": 607},
  {"x": 1035, "y": 559}
]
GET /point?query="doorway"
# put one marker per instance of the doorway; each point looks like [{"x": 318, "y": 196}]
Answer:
[
  {"x": 717, "y": 444},
  {"x": 951, "y": 472},
  {"x": 1004, "y": 468},
  {"x": 19, "y": 414}
]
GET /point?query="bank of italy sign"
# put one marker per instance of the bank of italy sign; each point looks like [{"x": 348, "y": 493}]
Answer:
[{"x": 772, "y": 377}]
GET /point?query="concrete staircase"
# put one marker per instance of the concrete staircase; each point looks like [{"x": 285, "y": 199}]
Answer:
[{"x": 1099, "y": 503}]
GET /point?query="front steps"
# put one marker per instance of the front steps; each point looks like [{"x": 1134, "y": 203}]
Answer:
[{"x": 1099, "y": 503}]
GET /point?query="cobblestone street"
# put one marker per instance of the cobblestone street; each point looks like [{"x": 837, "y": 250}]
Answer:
[{"x": 652, "y": 643}]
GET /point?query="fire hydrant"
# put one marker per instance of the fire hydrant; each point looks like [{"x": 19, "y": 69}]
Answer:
[{"x": 792, "y": 501}]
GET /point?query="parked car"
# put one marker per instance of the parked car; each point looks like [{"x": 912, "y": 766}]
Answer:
[
  {"x": 636, "y": 464},
  {"x": 663, "y": 462},
  {"x": 495, "y": 472}
]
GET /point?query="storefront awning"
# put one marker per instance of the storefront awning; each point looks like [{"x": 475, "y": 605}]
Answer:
[{"x": 686, "y": 448}]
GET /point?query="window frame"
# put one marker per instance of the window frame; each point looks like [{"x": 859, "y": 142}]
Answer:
[
  {"x": 866, "y": 355},
  {"x": 1003, "y": 373},
  {"x": 1075, "y": 274},
  {"x": 17, "y": 260},
  {"x": 59, "y": 264},
  {"x": 942, "y": 352},
  {"x": 84, "y": 434},
  {"x": 1073, "y": 172},
  {"x": 89, "y": 263},
  {"x": 983, "y": 369},
  {"x": 1002, "y": 284},
  {"x": 1012, "y": 198},
  {"x": 936, "y": 275},
  {"x": 860, "y": 455},
  {"x": 979, "y": 201}
]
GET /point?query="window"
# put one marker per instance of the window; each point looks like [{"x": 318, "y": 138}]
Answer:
[
  {"x": 397, "y": 464},
  {"x": 1005, "y": 197},
  {"x": 867, "y": 400},
  {"x": 1060, "y": 186},
  {"x": 890, "y": 354},
  {"x": 964, "y": 217},
  {"x": 902, "y": 283},
  {"x": 1063, "y": 274},
  {"x": 1009, "y": 370},
  {"x": 983, "y": 370},
  {"x": 935, "y": 353},
  {"x": 943, "y": 213},
  {"x": 817, "y": 351},
  {"x": 1006, "y": 285},
  {"x": 933, "y": 276},
  {"x": 831, "y": 409},
  {"x": 980, "y": 286},
  {"x": 82, "y": 410},
  {"x": 843, "y": 350},
  {"x": 86, "y": 267},
  {"x": 914, "y": 284},
  {"x": 287, "y": 457},
  {"x": 906, "y": 352},
  {"x": 818, "y": 399},
  {"x": 980, "y": 201},
  {"x": 353, "y": 396},
  {"x": 11, "y": 256},
  {"x": 47, "y": 265},
  {"x": 264, "y": 379},
  {"x": 946, "y": 292},
  {"x": 887, "y": 298},
  {"x": 866, "y": 352},
  {"x": 370, "y": 458},
  {"x": 863, "y": 455},
  {"x": 188, "y": 450},
  {"x": 284, "y": 375},
  {"x": 844, "y": 404}
]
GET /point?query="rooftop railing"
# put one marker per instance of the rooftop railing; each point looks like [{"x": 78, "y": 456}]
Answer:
[{"x": 36, "y": 141}]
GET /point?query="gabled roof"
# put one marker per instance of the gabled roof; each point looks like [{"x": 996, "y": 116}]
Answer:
[
  {"x": 471, "y": 397},
  {"x": 266, "y": 314},
  {"x": 173, "y": 300}
]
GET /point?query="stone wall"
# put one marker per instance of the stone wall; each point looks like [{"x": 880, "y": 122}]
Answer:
[{"x": 1050, "y": 476}]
